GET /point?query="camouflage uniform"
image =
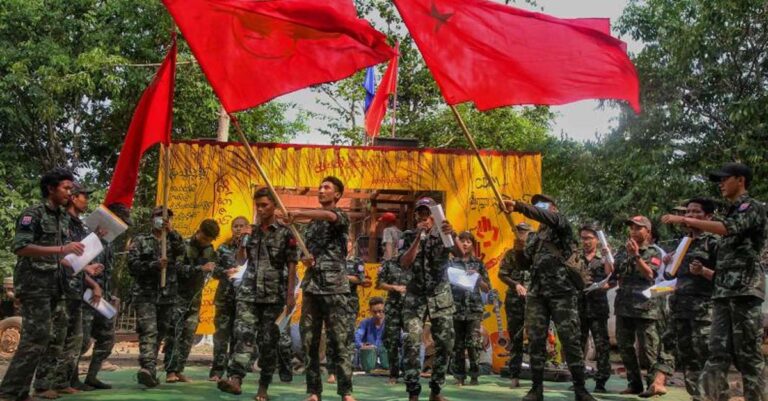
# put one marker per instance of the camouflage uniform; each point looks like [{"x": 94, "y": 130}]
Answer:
[
  {"x": 326, "y": 300},
  {"x": 224, "y": 301},
  {"x": 514, "y": 306},
  {"x": 739, "y": 291},
  {"x": 354, "y": 267},
  {"x": 594, "y": 319},
  {"x": 391, "y": 273},
  {"x": 37, "y": 285},
  {"x": 285, "y": 355},
  {"x": 467, "y": 319},
  {"x": 428, "y": 296},
  {"x": 154, "y": 305},
  {"x": 96, "y": 325},
  {"x": 186, "y": 315},
  {"x": 553, "y": 293},
  {"x": 691, "y": 307},
  {"x": 261, "y": 299},
  {"x": 636, "y": 318}
]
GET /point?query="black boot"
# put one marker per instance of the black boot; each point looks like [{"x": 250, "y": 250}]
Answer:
[
  {"x": 579, "y": 390},
  {"x": 536, "y": 393}
]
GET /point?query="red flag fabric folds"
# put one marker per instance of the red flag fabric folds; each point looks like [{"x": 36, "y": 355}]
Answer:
[
  {"x": 495, "y": 55},
  {"x": 378, "y": 107},
  {"x": 151, "y": 124},
  {"x": 254, "y": 51}
]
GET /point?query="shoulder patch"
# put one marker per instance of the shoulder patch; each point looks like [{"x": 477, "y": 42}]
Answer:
[
  {"x": 744, "y": 206},
  {"x": 656, "y": 261},
  {"x": 292, "y": 242},
  {"x": 26, "y": 220}
]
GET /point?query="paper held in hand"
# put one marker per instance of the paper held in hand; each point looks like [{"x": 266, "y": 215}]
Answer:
[
  {"x": 103, "y": 307},
  {"x": 237, "y": 278},
  {"x": 677, "y": 259},
  {"x": 604, "y": 244},
  {"x": 462, "y": 279},
  {"x": 439, "y": 216},
  {"x": 103, "y": 218},
  {"x": 93, "y": 248},
  {"x": 660, "y": 289},
  {"x": 599, "y": 284}
]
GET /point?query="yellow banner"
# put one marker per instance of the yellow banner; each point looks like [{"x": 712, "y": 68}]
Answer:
[{"x": 217, "y": 180}]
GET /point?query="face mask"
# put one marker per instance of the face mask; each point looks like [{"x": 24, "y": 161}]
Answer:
[
  {"x": 157, "y": 222},
  {"x": 543, "y": 205}
]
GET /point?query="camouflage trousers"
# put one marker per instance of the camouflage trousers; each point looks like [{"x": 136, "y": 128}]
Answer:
[
  {"x": 252, "y": 318},
  {"x": 468, "y": 341},
  {"x": 223, "y": 337},
  {"x": 330, "y": 356},
  {"x": 37, "y": 320},
  {"x": 693, "y": 343},
  {"x": 101, "y": 330},
  {"x": 564, "y": 312},
  {"x": 650, "y": 353},
  {"x": 56, "y": 371},
  {"x": 392, "y": 338},
  {"x": 598, "y": 328},
  {"x": 442, "y": 335},
  {"x": 154, "y": 325},
  {"x": 186, "y": 317},
  {"x": 333, "y": 311},
  {"x": 285, "y": 355},
  {"x": 736, "y": 338},
  {"x": 515, "y": 310}
]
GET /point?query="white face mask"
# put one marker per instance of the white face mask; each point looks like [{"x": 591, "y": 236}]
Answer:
[{"x": 543, "y": 205}]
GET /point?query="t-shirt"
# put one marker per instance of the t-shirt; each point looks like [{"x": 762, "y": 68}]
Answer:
[{"x": 392, "y": 235}]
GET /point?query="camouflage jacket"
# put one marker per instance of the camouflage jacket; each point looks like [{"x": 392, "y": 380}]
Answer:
[
  {"x": 225, "y": 291},
  {"x": 429, "y": 280},
  {"x": 104, "y": 280},
  {"x": 327, "y": 242},
  {"x": 37, "y": 277},
  {"x": 143, "y": 265},
  {"x": 391, "y": 273},
  {"x": 74, "y": 284},
  {"x": 549, "y": 274},
  {"x": 355, "y": 267},
  {"x": 596, "y": 302},
  {"x": 468, "y": 303},
  {"x": 693, "y": 295},
  {"x": 511, "y": 270},
  {"x": 630, "y": 302},
  {"x": 739, "y": 272},
  {"x": 270, "y": 250},
  {"x": 191, "y": 276}
]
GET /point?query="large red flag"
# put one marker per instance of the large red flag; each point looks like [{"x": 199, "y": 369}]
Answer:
[
  {"x": 254, "y": 51},
  {"x": 495, "y": 55},
  {"x": 151, "y": 124},
  {"x": 378, "y": 106}
]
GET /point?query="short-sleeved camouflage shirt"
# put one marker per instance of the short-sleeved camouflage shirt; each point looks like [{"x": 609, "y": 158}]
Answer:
[
  {"x": 191, "y": 275},
  {"x": 630, "y": 301},
  {"x": 327, "y": 242},
  {"x": 468, "y": 303},
  {"x": 270, "y": 250},
  {"x": 143, "y": 264}
]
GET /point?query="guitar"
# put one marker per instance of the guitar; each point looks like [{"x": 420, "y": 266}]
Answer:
[{"x": 499, "y": 339}]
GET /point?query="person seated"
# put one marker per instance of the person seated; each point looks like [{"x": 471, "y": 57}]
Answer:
[{"x": 368, "y": 336}]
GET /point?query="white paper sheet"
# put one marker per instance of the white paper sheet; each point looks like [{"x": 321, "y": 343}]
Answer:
[
  {"x": 104, "y": 218},
  {"x": 93, "y": 248},
  {"x": 604, "y": 244},
  {"x": 661, "y": 289},
  {"x": 599, "y": 284},
  {"x": 103, "y": 307},
  {"x": 460, "y": 278},
  {"x": 439, "y": 216},
  {"x": 674, "y": 264},
  {"x": 237, "y": 278}
]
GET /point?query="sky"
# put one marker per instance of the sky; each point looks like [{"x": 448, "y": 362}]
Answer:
[{"x": 581, "y": 120}]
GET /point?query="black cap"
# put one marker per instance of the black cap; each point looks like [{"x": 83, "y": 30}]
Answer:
[
  {"x": 426, "y": 202},
  {"x": 158, "y": 211},
  {"x": 78, "y": 189},
  {"x": 732, "y": 170},
  {"x": 542, "y": 198},
  {"x": 591, "y": 227}
]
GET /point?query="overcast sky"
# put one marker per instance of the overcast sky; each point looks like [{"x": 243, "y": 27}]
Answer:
[{"x": 581, "y": 120}]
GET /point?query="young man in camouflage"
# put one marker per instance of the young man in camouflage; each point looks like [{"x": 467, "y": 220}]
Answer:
[
  {"x": 517, "y": 280},
  {"x": 469, "y": 312},
  {"x": 261, "y": 297},
  {"x": 41, "y": 240},
  {"x": 95, "y": 325},
  {"x": 199, "y": 262},
  {"x": 224, "y": 300},
  {"x": 739, "y": 286},
  {"x": 325, "y": 290},
  {"x": 393, "y": 279},
  {"x": 691, "y": 304},
  {"x": 428, "y": 296},
  {"x": 595, "y": 312},
  {"x": 553, "y": 293},
  {"x": 155, "y": 304},
  {"x": 637, "y": 316}
]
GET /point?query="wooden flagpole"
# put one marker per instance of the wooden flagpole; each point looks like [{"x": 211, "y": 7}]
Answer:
[
  {"x": 255, "y": 160},
  {"x": 487, "y": 173}
]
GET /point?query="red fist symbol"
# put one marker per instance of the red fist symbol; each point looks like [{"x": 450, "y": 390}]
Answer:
[{"x": 486, "y": 232}]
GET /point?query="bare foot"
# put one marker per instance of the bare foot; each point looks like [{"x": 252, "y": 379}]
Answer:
[
  {"x": 312, "y": 397},
  {"x": 331, "y": 379},
  {"x": 348, "y": 398},
  {"x": 261, "y": 395}
]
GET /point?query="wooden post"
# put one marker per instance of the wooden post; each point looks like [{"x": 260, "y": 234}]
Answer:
[
  {"x": 222, "y": 132},
  {"x": 166, "y": 156}
]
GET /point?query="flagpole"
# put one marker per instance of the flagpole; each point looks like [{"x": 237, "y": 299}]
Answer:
[
  {"x": 255, "y": 160},
  {"x": 166, "y": 155},
  {"x": 394, "y": 99},
  {"x": 487, "y": 173}
]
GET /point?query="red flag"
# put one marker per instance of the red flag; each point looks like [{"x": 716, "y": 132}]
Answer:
[
  {"x": 378, "y": 106},
  {"x": 254, "y": 51},
  {"x": 151, "y": 124},
  {"x": 495, "y": 55}
]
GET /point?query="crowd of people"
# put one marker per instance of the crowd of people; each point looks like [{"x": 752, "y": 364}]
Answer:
[{"x": 557, "y": 275}]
